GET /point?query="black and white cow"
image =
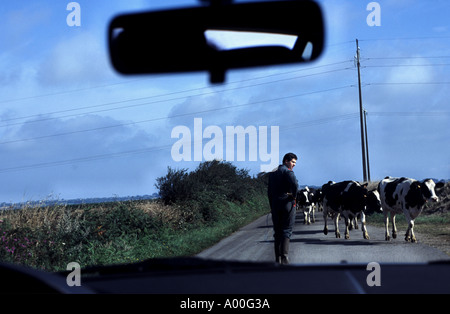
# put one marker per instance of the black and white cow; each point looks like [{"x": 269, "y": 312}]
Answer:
[
  {"x": 317, "y": 199},
  {"x": 304, "y": 203},
  {"x": 348, "y": 198},
  {"x": 407, "y": 196}
]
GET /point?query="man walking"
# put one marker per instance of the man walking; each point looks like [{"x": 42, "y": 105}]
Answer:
[{"x": 282, "y": 192}]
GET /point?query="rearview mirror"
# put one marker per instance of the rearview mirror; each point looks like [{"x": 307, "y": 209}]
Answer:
[{"x": 216, "y": 38}]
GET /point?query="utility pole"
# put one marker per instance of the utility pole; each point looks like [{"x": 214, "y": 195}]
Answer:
[
  {"x": 367, "y": 145},
  {"x": 363, "y": 144}
]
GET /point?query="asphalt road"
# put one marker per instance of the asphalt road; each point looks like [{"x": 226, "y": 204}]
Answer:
[{"x": 309, "y": 245}]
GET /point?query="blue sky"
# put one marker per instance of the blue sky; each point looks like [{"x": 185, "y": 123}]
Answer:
[{"x": 71, "y": 127}]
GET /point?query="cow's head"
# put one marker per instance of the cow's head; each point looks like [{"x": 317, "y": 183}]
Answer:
[
  {"x": 326, "y": 186},
  {"x": 426, "y": 188},
  {"x": 373, "y": 202},
  {"x": 318, "y": 195},
  {"x": 303, "y": 196}
]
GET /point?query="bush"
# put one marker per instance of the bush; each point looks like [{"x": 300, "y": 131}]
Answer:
[
  {"x": 119, "y": 220},
  {"x": 173, "y": 188},
  {"x": 206, "y": 189}
]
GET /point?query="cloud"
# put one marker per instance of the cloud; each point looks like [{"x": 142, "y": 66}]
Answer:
[
  {"x": 211, "y": 108},
  {"x": 21, "y": 22},
  {"x": 412, "y": 70},
  {"x": 314, "y": 125},
  {"x": 76, "y": 59},
  {"x": 95, "y": 161}
]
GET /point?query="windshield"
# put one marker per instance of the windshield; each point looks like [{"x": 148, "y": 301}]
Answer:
[{"x": 99, "y": 168}]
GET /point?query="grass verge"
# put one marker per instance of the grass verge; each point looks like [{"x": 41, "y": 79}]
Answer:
[
  {"x": 115, "y": 233},
  {"x": 430, "y": 228}
]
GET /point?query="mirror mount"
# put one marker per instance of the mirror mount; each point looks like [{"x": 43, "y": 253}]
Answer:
[{"x": 177, "y": 41}]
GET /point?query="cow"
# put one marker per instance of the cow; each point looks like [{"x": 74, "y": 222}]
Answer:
[
  {"x": 348, "y": 198},
  {"x": 317, "y": 199},
  {"x": 304, "y": 203},
  {"x": 407, "y": 196}
]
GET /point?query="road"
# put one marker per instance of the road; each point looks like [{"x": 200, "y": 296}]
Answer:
[{"x": 309, "y": 245}]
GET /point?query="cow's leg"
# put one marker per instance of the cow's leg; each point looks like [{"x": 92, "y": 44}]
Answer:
[
  {"x": 386, "y": 225},
  {"x": 313, "y": 220},
  {"x": 336, "y": 227},
  {"x": 348, "y": 222},
  {"x": 394, "y": 227},
  {"x": 409, "y": 236},
  {"x": 363, "y": 226},
  {"x": 325, "y": 216},
  {"x": 307, "y": 215},
  {"x": 410, "y": 225},
  {"x": 413, "y": 236}
]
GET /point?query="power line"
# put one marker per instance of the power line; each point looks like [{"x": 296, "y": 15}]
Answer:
[
  {"x": 155, "y": 148},
  {"x": 406, "y": 83},
  {"x": 199, "y": 112},
  {"x": 165, "y": 94},
  {"x": 410, "y": 114},
  {"x": 404, "y": 58},
  {"x": 309, "y": 68},
  {"x": 84, "y": 159},
  {"x": 163, "y": 147},
  {"x": 147, "y": 103},
  {"x": 173, "y": 116},
  {"x": 195, "y": 95},
  {"x": 406, "y": 65},
  {"x": 68, "y": 91},
  {"x": 363, "y": 122},
  {"x": 339, "y": 43},
  {"x": 407, "y": 38},
  {"x": 304, "y": 124}
]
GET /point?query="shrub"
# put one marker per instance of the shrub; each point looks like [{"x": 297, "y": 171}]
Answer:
[
  {"x": 118, "y": 220},
  {"x": 207, "y": 188},
  {"x": 173, "y": 188}
]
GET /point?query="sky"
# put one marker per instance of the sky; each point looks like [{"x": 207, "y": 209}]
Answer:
[{"x": 72, "y": 127}]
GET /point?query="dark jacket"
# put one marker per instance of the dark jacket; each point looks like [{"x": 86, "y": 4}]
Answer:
[{"x": 283, "y": 185}]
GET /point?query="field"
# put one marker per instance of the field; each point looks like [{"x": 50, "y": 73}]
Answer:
[
  {"x": 100, "y": 234},
  {"x": 192, "y": 215}
]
